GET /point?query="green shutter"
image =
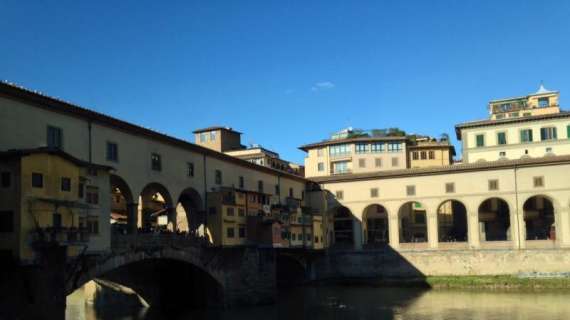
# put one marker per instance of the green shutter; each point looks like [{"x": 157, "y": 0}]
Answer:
[
  {"x": 568, "y": 132},
  {"x": 480, "y": 140}
]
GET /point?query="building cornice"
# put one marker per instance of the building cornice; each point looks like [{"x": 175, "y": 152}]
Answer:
[{"x": 449, "y": 169}]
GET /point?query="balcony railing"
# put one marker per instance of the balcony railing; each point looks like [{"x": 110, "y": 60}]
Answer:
[
  {"x": 60, "y": 235},
  {"x": 337, "y": 172}
]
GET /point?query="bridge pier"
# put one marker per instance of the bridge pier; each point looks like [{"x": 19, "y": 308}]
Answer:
[{"x": 35, "y": 292}]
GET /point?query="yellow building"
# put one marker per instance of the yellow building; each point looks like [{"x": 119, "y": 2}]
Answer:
[
  {"x": 227, "y": 217},
  {"x": 49, "y": 197},
  {"x": 429, "y": 152},
  {"x": 532, "y": 126}
]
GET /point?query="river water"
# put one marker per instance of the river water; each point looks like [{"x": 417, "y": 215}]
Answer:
[{"x": 359, "y": 302}]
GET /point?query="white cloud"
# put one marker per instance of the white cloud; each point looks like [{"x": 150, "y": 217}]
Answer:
[{"x": 324, "y": 85}]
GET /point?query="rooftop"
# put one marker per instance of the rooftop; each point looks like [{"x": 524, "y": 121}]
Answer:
[{"x": 215, "y": 128}]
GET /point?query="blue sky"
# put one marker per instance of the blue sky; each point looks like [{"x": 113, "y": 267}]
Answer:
[{"x": 287, "y": 73}]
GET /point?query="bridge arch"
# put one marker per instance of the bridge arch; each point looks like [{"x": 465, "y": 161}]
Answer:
[
  {"x": 156, "y": 208},
  {"x": 376, "y": 225},
  {"x": 157, "y": 276}
]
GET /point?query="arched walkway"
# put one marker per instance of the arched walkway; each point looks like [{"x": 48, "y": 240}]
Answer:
[
  {"x": 376, "y": 229},
  {"x": 189, "y": 211},
  {"x": 452, "y": 221},
  {"x": 156, "y": 212},
  {"x": 539, "y": 218},
  {"x": 412, "y": 220},
  {"x": 494, "y": 220},
  {"x": 123, "y": 209},
  {"x": 343, "y": 221}
]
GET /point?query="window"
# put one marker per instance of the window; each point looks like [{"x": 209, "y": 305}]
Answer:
[
  {"x": 514, "y": 114},
  {"x": 212, "y": 210},
  {"x": 92, "y": 225},
  {"x": 340, "y": 167},
  {"x": 526, "y": 135},
  {"x": 480, "y": 140},
  {"x": 339, "y": 194},
  {"x": 339, "y": 150},
  {"x": 411, "y": 190},
  {"x": 241, "y": 231},
  {"x": 548, "y": 133},
  {"x": 538, "y": 182},
  {"x": 56, "y": 220},
  {"x": 374, "y": 193},
  {"x": 394, "y": 147},
  {"x": 212, "y": 135},
  {"x": 5, "y": 179},
  {"x": 203, "y": 137},
  {"x": 376, "y": 147},
  {"x": 54, "y": 137},
  {"x": 320, "y": 152},
  {"x": 502, "y": 154},
  {"x": 361, "y": 147},
  {"x": 378, "y": 162},
  {"x": 415, "y": 155},
  {"x": 241, "y": 212},
  {"x": 230, "y": 232},
  {"x": 65, "y": 184},
  {"x": 277, "y": 189},
  {"x": 543, "y": 102},
  {"x": 80, "y": 187},
  {"x": 112, "y": 152},
  {"x": 450, "y": 187},
  {"x": 190, "y": 169},
  {"x": 501, "y": 138},
  {"x": 218, "y": 177},
  {"x": 361, "y": 163},
  {"x": 230, "y": 212},
  {"x": 155, "y": 162},
  {"x": 321, "y": 166},
  {"x": 92, "y": 195},
  {"x": 431, "y": 155},
  {"x": 493, "y": 184},
  {"x": 293, "y": 236},
  {"x": 37, "y": 180},
  {"x": 316, "y": 239},
  {"x": 241, "y": 182},
  {"x": 260, "y": 186},
  {"x": 568, "y": 132},
  {"x": 423, "y": 155},
  {"x": 395, "y": 162},
  {"x": 291, "y": 192},
  {"x": 6, "y": 221}
]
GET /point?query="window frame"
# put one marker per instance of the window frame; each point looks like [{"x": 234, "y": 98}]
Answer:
[
  {"x": 155, "y": 162},
  {"x": 112, "y": 152},
  {"x": 57, "y": 142},
  {"x": 482, "y": 136},
  {"x": 39, "y": 184}
]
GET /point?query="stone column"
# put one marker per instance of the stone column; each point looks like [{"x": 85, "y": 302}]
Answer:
[
  {"x": 515, "y": 229},
  {"x": 432, "y": 230},
  {"x": 473, "y": 230},
  {"x": 562, "y": 226},
  {"x": 357, "y": 233},
  {"x": 394, "y": 231},
  {"x": 132, "y": 218},
  {"x": 520, "y": 230}
]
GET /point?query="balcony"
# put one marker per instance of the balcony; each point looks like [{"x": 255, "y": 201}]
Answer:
[
  {"x": 61, "y": 235},
  {"x": 340, "y": 172}
]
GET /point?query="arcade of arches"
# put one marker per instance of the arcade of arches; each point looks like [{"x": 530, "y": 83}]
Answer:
[
  {"x": 493, "y": 224},
  {"x": 154, "y": 209}
]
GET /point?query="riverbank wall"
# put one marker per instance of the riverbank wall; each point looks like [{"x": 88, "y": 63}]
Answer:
[{"x": 391, "y": 264}]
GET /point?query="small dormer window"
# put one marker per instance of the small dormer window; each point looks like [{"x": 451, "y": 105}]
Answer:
[
  {"x": 543, "y": 102},
  {"x": 212, "y": 135}
]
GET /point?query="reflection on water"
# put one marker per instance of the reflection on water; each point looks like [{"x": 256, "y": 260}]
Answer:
[{"x": 344, "y": 302}]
